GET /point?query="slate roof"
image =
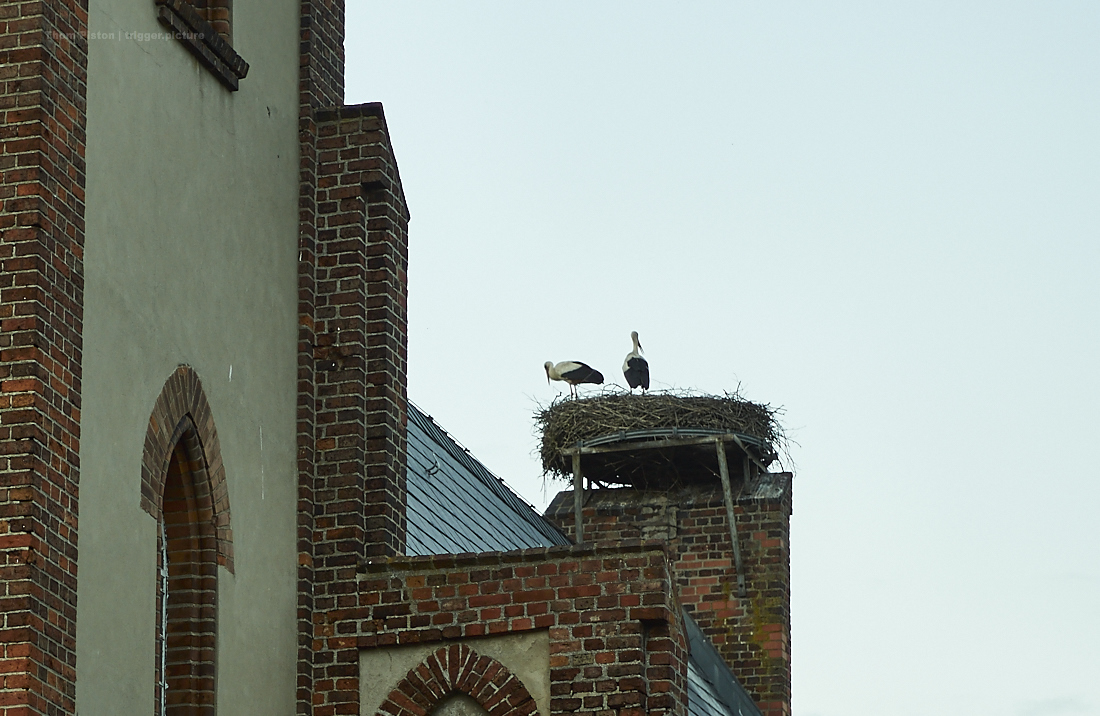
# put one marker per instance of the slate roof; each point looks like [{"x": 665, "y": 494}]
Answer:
[
  {"x": 712, "y": 687},
  {"x": 456, "y": 505}
]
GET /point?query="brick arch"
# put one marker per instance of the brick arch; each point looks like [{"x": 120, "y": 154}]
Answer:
[
  {"x": 182, "y": 412},
  {"x": 459, "y": 669}
]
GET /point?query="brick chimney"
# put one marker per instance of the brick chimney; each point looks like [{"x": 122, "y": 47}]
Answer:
[{"x": 752, "y": 633}]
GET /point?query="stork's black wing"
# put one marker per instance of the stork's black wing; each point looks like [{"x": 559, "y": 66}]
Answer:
[
  {"x": 583, "y": 374},
  {"x": 637, "y": 372}
]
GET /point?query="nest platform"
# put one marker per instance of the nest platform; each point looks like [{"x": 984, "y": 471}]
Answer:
[{"x": 657, "y": 440}]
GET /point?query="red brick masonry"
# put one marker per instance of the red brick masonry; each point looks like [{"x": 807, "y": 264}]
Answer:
[
  {"x": 458, "y": 668},
  {"x": 43, "y": 114},
  {"x": 752, "y": 633},
  {"x": 616, "y": 642}
]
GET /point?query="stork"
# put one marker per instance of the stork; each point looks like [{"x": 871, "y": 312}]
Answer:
[
  {"x": 572, "y": 372},
  {"x": 636, "y": 368}
]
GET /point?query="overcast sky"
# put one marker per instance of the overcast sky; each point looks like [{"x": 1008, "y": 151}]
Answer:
[{"x": 882, "y": 217}]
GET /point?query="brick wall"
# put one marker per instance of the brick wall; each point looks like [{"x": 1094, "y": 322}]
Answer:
[
  {"x": 359, "y": 360},
  {"x": 361, "y": 329},
  {"x": 352, "y": 340},
  {"x": 43, "y": 71},
  {"x": 188, "y": 588},
  {"x": 616, "y": 641},
  {"x": 320, "y": 84},
  {"x": 752, "y": 633}
]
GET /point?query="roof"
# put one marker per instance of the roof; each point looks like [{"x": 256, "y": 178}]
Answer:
[
  {"x": 456, "y": 505},
  {"x": 712, "y": 688}
]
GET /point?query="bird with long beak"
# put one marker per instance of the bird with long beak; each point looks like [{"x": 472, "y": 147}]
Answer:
[
  {"x": 636, "y": 368},
  {"x": 572, "y": 372}
]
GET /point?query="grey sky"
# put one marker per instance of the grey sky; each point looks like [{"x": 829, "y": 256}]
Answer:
[{"x": 882, "y": 217}]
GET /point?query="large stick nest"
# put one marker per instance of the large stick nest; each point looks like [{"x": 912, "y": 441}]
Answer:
[{"x": 566, "y": 422}]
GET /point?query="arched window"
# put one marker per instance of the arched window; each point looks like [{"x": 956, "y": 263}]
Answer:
[
  {"x": 183, "y": 487},
  {"x": 188, "y": 585}
]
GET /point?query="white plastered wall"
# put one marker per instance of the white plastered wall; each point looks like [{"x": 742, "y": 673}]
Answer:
[{"x": 190, "y": 257}]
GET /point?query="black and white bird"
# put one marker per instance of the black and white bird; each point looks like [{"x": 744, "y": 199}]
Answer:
[
  {"x": 636, "y": 368},
  {"x": 572, "y": 372}
]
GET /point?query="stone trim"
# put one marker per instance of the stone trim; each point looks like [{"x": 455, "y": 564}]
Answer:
[
  {"x": 203, "y": 40},
  {"x": 459, "y": 669},
  {"x": 182, "y": 407}
]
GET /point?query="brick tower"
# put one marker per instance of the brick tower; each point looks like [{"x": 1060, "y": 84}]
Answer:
[{"x": 738, "y": 592}]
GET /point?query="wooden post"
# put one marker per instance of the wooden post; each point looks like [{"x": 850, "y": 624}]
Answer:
[
  {"x": 578, "y": 498},
  {"x": 724, "y": 471}
]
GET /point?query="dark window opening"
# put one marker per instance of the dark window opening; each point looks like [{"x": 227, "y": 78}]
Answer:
[{"x": 187, "y": 587}]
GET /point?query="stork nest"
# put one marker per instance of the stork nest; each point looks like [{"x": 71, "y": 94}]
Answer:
[{"x": 566, "y": 422}]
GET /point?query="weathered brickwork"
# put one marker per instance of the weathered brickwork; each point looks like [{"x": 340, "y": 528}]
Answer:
[
  {"x": 752, "y": 634},
  {"x": 321, "y": 84},
  {"x": 358, "y": 289},
  {"x": 361, "y": 320},
  {"x": 616, "y": 641},
  {"x": 43, "y": 71},
  {"x": 321, "y": 63},
  {"x": 458, "y": 668},
  {"x": 352, "y": 339},
  {"x": 219, "y": 13}
]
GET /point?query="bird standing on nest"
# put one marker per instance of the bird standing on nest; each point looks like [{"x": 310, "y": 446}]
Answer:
[
  {"x": 636, "y": 368},
  {"x": 572, "y": 372}
]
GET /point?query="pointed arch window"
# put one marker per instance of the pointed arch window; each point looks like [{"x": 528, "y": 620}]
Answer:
[
  {"x": 183, "y": 487},
  {"x": 188, "y": 585}
]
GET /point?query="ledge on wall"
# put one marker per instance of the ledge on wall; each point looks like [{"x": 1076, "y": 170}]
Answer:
[{"x": 200, "y": 38}]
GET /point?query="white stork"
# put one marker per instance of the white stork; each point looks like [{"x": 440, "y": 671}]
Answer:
[
  {"x": 572, "y": 372},
  {"x": 636, "y": 368}
]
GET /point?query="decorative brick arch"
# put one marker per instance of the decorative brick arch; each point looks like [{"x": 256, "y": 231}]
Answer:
[
  {"x": 183, "y": 412},
  {"x": 459, "y": 669}
]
